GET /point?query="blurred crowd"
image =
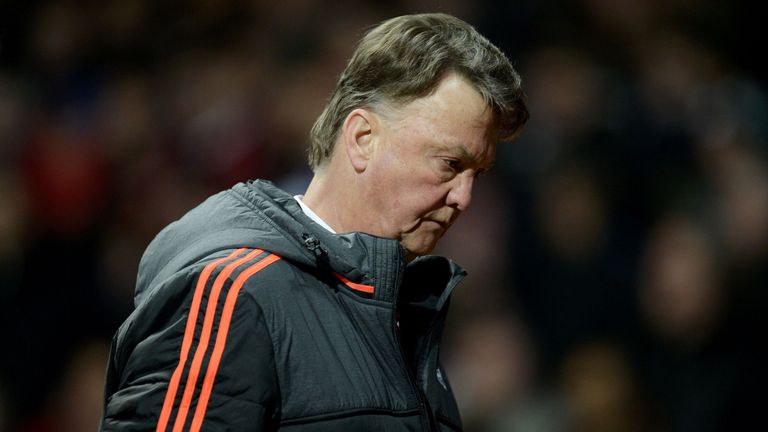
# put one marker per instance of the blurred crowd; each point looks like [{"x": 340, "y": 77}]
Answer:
[{"x": 617, "y": 255}]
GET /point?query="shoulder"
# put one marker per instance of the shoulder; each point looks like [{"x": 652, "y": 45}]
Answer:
[
  {"x": 238, "y": 271},
  {"x": 261, "y": 275}
]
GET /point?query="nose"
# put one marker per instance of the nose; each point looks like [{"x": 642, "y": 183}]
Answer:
[{"x": 460, "y": 194}]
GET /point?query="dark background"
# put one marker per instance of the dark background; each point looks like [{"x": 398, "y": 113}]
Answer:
[{"x": 617, "y": 254}]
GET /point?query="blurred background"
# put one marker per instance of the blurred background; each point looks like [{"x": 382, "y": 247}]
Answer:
[{"x": 617, "y": 255}]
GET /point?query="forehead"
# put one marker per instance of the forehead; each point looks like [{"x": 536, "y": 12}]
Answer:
[{"x": 454, "y": 117}]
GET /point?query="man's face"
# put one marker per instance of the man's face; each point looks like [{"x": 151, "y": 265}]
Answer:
[{"x": 425, "y": 161}]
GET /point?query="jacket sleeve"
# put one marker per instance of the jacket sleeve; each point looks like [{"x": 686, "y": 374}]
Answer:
[{"x": 197, "y": 355}]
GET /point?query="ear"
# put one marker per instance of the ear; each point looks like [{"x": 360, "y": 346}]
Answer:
[{"x": 357, "y": 136}]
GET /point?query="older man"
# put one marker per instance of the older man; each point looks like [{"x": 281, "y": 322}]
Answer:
[{"x": 262, "y": 311}]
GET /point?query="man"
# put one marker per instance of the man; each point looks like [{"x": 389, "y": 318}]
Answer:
[{"x": 262, "y": 311}]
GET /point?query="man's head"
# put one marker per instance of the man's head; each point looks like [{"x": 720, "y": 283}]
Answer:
[
  {"x": 405, "y": 58},
  {"x": 414, "y": 119}
]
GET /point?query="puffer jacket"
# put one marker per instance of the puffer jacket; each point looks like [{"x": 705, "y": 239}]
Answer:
[{"x": 249, "y": 316}]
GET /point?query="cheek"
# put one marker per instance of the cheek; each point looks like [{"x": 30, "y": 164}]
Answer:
[
  {"x": 420, "y": 200},
  {"x": 408, "y": 188}
]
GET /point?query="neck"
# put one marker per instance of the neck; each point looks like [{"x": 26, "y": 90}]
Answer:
[{"x": 334, "y": 199}]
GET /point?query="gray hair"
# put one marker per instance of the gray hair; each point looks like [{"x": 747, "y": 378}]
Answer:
[{"x": 405, "y": 58}]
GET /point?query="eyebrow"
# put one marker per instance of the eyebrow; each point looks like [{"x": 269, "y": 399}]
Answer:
[{"x": 463, "y": 153}]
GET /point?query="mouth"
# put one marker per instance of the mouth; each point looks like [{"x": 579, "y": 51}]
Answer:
[{"x": 443, "y": 224}]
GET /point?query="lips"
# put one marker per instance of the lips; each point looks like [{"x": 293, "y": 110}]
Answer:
[
  {"x": 443, "y": 224},
  {"x": 444, "y": 220}
]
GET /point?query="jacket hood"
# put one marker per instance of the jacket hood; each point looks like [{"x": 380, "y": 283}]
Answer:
[{"x": 259, "y": 215}]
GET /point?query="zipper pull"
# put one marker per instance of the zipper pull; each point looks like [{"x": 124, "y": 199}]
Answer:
[{"x": 313, "y": 244}]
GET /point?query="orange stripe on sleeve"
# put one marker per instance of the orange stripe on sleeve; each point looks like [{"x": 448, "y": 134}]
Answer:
[
  {"x": 221, "y": 339},
  {"x": 186, "y": 343},
  {"x": 202, "y": 346}
]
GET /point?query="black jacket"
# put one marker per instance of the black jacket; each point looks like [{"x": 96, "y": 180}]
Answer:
[{"x": 249, "y": 316}]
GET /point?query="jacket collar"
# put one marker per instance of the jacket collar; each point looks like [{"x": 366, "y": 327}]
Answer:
[{"x": 360, "y": 258}]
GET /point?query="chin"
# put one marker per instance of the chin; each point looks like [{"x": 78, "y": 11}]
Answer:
[
  {"x": 422, "y": 244},
  {"x": 419, "y": 250}
]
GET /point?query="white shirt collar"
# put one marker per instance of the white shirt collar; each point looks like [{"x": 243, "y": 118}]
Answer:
[{"x": 312, "y": 215}]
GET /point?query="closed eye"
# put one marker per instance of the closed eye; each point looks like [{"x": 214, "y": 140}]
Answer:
[{"x": 453, "y": 164}]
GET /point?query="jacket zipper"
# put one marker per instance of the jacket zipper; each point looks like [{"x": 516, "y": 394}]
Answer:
[
  {"x": 423, "y": 402},
  {"x": 424, "y": 406}
]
